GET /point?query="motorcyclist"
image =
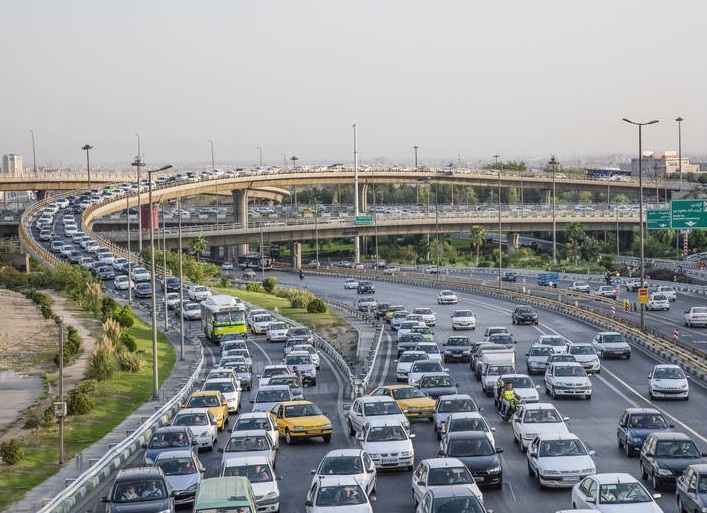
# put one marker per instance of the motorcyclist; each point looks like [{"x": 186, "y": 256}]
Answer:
[
  {"x": 301, "y": 275},
  {"x": 500, "y": 388},
  {"x": 510, "y": 398}
]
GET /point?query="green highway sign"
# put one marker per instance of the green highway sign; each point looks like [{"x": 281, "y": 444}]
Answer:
[
  {"x": 364, "y": 219},
  {"x": 658, "y": 219},
  {"x": 688, "y": 214}
]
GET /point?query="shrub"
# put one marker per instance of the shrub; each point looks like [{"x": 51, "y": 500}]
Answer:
[
  {"x": 93, "y": 300},
  {"x": 128, "y": 341},
  {"x": 79, "y": 400},
  {"x": 48, "y": 418},
  {"x": 125, "y": 316},
  {"x": 33, "y": 420},
  {"x": 102, "y": 364},
  {"x": 43, "y": 301},
  {"x": 270, "y": 284},
  {"x": 316, "y": 305},
  {"x": 128, "y": 361},
  {"x": 254, "y": 287},
  {"x": 72, "y": 346},
  {"x": 11, "y": 451},
  {"x": 108, "y": 308},
  {"x": 299, "y": 298},
  {"x": 111, "y": 329}
]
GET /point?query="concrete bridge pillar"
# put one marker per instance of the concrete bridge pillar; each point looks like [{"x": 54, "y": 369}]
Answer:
[
  {"x": 548, "y": 196},
  {"x": 296, "y": 252},
  {"x": 214, "y": 252},
  {"x": 513, "y": 241},
  {"x": 230, "y": 254},
  {"x": 363, "y": 205},
  {"x": 240, "y": 216}
]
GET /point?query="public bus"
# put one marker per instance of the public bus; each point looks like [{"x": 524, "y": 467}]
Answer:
[
  {"x": 255, "y": 261},
  {"x": 221, "y": 314}
]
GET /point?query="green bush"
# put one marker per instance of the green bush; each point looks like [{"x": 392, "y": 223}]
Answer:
[
  {"x": 43, "y": 301},
  {"x": 125, "y": 316},
  {"x": 102, "y": 364},
  {"x": 33, "y": 420},
  {"x": 12, "y": 278},
  {"x": 128, "y": 341},
  {"x": 79, "y": 400},
  {"x": 108, "y": 308},
  {"x": 316, "y": 305},
  {"x": 11, "y": 452},
  {"x": 128, "y": 361},
  {"x": 48, "y": 418},
  {"x": 254, "y": 287},
  {"x": 270, "y": 284},
  {"x": 299, "y": 298}
]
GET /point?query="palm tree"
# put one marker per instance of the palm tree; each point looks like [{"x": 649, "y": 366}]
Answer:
[
  {"x": 198, "y": 246},
  {"x": 477, "y": 240},
  {"x": 575, "y": 235}
]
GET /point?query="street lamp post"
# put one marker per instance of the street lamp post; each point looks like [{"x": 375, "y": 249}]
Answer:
[
  {"x": 260, "y": 153},
  {"x": 181, "y": 288},
  {"x": 127, "y": 220},
  {"x": 86, "y": 147},
  {"x": 437, "y": 230},
  {"x": 500, "y": 246},
  {"x": 640, "y": 209},
  {"x": 34, "y": 154},
  {"x": 155, "y": 380},
  {"x": 138, "y": 163},
  {"x": 416, "y": 148},
  {"x": 213, "y": 164},
  {"x": 553, "y": 163},
  {"x": 680, "y": 120}
]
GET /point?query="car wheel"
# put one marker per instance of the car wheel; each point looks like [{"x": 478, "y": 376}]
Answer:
[
  {"x": 530, "y": 470},
  {"x": 650, "y": 395},
  {"x": 619, "y": 442},
  {"x": 644, "y": 474},
  {"x": 288, "y": 437},
  {"x": 352, "y": 431},
  {"x": 540, "y": 485},
  {"x": 628, "y": 450},
  {"x": 314, "y": 382},
  {"x": 654, "y": 482},
  {"x": 601, "y": 355},
  {"x": 327, "y": 439},
  {"x": 588, "y": 397},
  {"x": 513, "y": 321},
  {"x": 553, "y": 394},
  {"x": 681, "y": 509}
]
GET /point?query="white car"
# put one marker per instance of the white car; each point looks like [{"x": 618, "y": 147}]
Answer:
[
  {"x": 269, "y": 371},
  {"x": 198, "y": 292},
  {"x": 463, "y": 320},
  {"x": 531, "y": 420},
  {"x": 276, "y": 331},
  {"x": 231, "y": 392},
  {"x": 447, "y": 297},
  {"x": 252, "y": 442},
  {"x": 696, "y": 316},
  {"x": 432, "y": 350},
  {"x": 614, "y": 493},
  {"x": 333, "y": 493},
  {"x": 579, "y": 286},
  {"x": 260, "y": 323},
  {"x": 172, "y": 299},
  {"x": 428, "y": 316},
  {"x": 435, "y": 472},
  {"x": 567, "y": 379},
  {"x": 367, "y": 408},
  {"x": 351, "y": 283},
  {"x": 367, "y": 303},
  {"x": 493, "y": 330},
  {"x": 405, "y": 327},
  {"x": 466, "y": 421},
  {"x": 309, "y": 348},
  {"x": 202, "y": 423},
  {"x": 355, "y": 463},
  {"x": 559, "y": 461},
  {"x": 262, "y": 479},
  {"x": 668, "y": 382},
  {"x": 448, "y": 404},
  {"x": 559, "y": 344},
  {"x": 587, "y": 356},
  {"x": 405, "y": 362},
  {"x": 227, "y": 266},
  {"x": 388, "y": 443},
  {"x": 421, "y": 367},
  {"x": 258, "y": 420},
  {"x": 139, "y": 274},
  {"x": 122, "y": 282},
  {"x": 191, "y": 311},
  {"x": 658, "y": 301},
  {"x": 668, "y": 290}
]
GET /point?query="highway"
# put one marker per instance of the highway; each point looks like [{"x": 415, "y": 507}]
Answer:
[{"x": 622, "y": 383}]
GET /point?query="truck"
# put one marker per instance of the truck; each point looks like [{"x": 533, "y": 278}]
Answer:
[
  {"x": 495, "y": 362},
  {"x": 548, "y": 279}
]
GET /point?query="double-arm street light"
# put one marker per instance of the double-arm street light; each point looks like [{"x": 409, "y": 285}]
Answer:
[
  {"x": 155, "y": 380},
  {"x": 640, "y": 209},
  {"x": 553, "y": 163},
  {"x": 86, "y": 148}
]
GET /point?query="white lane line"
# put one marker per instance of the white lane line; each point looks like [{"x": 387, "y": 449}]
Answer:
[
  {"x": 339, "y": 400},
  {"x": 388, "y": 341},
  {"x": 267, "y": 358}
]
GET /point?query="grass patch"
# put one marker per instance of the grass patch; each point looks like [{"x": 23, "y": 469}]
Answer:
[{"x": 115, "y": 400}]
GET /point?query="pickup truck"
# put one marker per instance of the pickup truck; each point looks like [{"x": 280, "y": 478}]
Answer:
[{"x": 548, "y": 279}]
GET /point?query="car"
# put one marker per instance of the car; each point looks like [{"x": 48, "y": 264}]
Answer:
[
  {"x": 579, "y": 286},
  {"x": 301, "y": 332},
  {"x": 305, "y": 365},
  {"x": 536, "y": 359},
  {"x": 388, "y": 444},
  {"x": 432, "y": 269},
  {"x": 365, "y": 287},
  {"x": 214, "y": 401},
  {"x": 658, "y": 301},
  {"x": 140, "y": 274},
  {"x": 350, "y": 283},
  {"x": 463, "y": 320},
  {"x": 262, "y": 478},
  {"x": 559, "y": 461},
  {"x": 391, "y": 270},
  {"x": 313, "y": 354},
  {"x": 523, "y": 385},
  {"x": 510, "y": 276},
  {"x": 696, "y": 316},
  {"x": 405, "y": 362},
  {"x": 432, "y": 349},
  {"x": 397, "y": 319},
  {"x": 367, "y": 408},
  {"x": 466, "y": 421},
  {"x": 613, "y": 493},
  {"x": 668, "y": 290},
  {"x": 197, "y": 293},
  {"x": 259, "y": 323},
  {"x": 611, "y": 344},
  {"x": 665, "y": 456},
  {"x": 492, "y": 330},
  {"x": 405, "y": 328},
  {"x": 421, "y": 367},
  {"x": 243, "y": 373},
  {"x": 202, "y": 424},
  {"x": 411, "y": 400},
  {"x": 587, "y": 356},
  {"x": 269, "y": 395},
  {"x": 269, "y": 371},
  {"x": 337, "y": 493},
  {"x": 291, "y": 381},
  {"x": 477, "y": 453},
  {"x": 171, "y": 284},
  {"x": 241, "y": 352},
  {"x": 190, "y": 311},
  {"x": 408, "y": 342},
  {"x": 446, "y": 297},
  {"x": 531, "y": 420},
  {"x": 449, "y": 404},
  {"x": 184, "y": 472},
  {"x": 632, "y": 284},
  {"x": 249, "y": 274},
  {"x": 143, "y": 290},
  {"x": 634, "y": 426},
  {"x": 258, "y": 420},
  {"x": 668, "y": 382},
  {"x": 173, "y": 299},
  {"x": 605, "y": 291},
  {"x": 227, "y": 266},
  {"x": 367, "y": 304},
  {"x": 428, "y": 316},
  {"x": 524, "y": 314},
  {"x": 391, "y": 310},
  {"x": 104, "y": 272},
  {"x": 348, "y": 462},
  {"x": 229, "y": 390},
  {"x": 140, "y": 489},
  {"x": 691, "y": 488},
  {"x": 556, "y": 342},
  {"x": 567, "y": 379},
  {"x": 167, "y": 438},
  {"x": 457, "y": 348},
  {"x": 247, "y": 443},
  {"x": 298, "y": 420},
  {"x": 381, "y": 309},
  {"x": 433, "y": 473}
]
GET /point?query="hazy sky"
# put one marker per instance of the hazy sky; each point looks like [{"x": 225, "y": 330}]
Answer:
[{"x": 462, "y": 79}]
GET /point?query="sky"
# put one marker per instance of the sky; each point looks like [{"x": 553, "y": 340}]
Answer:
[{"x": 462, "y": 79}]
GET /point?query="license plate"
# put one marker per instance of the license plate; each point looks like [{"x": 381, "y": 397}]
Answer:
[
  {"x": 571, "y": 478},
  {"x": 389, "y": 461},
  {"x": 479, "y": 479}
]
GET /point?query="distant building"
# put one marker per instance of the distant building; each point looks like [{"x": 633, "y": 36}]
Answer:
[
  {"x": 667, "y": 164},
  {"x": 12, "y": 164}
]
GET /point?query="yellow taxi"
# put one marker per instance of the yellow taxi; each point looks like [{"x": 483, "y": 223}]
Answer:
[
  {"x": 391, "y": 310},
  {"x": 300, "y": 419},
  {"x": 414, "y": 403},
  {"x": 212, "y": 400}
]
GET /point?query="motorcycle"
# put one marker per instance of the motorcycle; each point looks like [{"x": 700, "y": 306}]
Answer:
[
  {"x": 513, "y": 405},
  {"x": 301, "y": 275}
]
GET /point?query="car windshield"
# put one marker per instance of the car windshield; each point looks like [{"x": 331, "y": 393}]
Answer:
[
  {"x": 553, "y": 341},
  {"x": 467, "y": 424},
  {"x": 540, "y": 351},
  {"x": 203, "y": 401},
  {"x": 453, "y": 405},
  {"x": 623, "y": 493},
  {"x": 290, "y": 381},
  {"x": 495, "y": 370},
  {"x": 191, "y": 419},
  {"x": 273, "y": 371},
  {"x": 461, "y": 504},
  {"x": 408, "y": 393},
  {"x": 436, "y": 381},
  {"x": 525, "y": 309},
  {"x": 668, "y": 373},
  {"x": 422, "y": 311},
  {"x": 177, "y": 466},
  {"x": 648, "y": 421},
  {"x": 247, "y": 423},
  {"x": 676, "y": 449},
  {"x": 221, "y": 386},
  {"x": 542, "y": 415},
  {"x": 613, "y": 338},
  {"x": 421, "y": 329},
  {"x": 429, "y": 349},
  {"x": 139, "y": 491},
  {"x": 458, "y": 341},
  {"x": 500, "y": 338},
  {"x": 277, "y": 326},
  {"x": 163, "y": 440},
  {"x": 412, "y": 357},
  {"x": 426, "y": 366},
  {"x": 449, "y": 476},
  {"x": 469, "y": 447},
  {"x": 341, "y": 466},
  {"x": 386, "y": 433},
  {"x": 582, "y": 350},
  {"x": 302, "y": 410},
  {"x": 699, "y": 310},
  {"x": 381, "y": 408},
  {"x": 332, "y": 496},
  {"x": 569, "y": 370},
  {"x": 463, "y": 313},
  {"x": 247, "y": 444},
  {"x": 272, "y": 396},
  {"x": 520, "y": 382},
  {"x": 556, "y": 448}
]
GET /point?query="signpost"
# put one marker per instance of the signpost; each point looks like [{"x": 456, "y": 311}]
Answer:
[
  {"x": 364, "y": 219},
  {"x": 658, "y": 219},
  {"x": 643, "y": 295},
  {"x": 688, "y": 214}
]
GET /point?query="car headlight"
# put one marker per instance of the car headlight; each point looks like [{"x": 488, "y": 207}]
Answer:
[
  {"x": 406, "y": 454},
  {"x": 298, "y": 428},
  {"x": 406, "y": 426},
  {"x": 191, "y": 488},
  {"x": 587, "y": 471},
  {"x": 165, "y": 511},
  {"x": 683, "y": 386},
  {"x": 271, "y": 495},
  {"x": 636, "y": 440},
  {"x": 665, "y": 472},
  {"x": 495, "y": 470},
  {"x": 327, "y": 426}
]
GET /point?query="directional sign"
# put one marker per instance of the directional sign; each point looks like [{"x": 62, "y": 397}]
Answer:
[
  {"x": 689, "y": 213},
  {"x": 364, "y": 219},
  {"x": 658, "y": 219}
]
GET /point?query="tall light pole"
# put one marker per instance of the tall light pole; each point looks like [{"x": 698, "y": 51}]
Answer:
[
  {"x": 34, "y": 154},
  {"x": 680, "y": 120},
  {"x": 640, "y": 209},
  {"x": 86, "y": 147},
  {"x": 437, "y": 229},
  {"x": 357, "y": 241},
  {"x": 213, "y": 164},
  {"x": 138, "y": 163},
  {"x": 62, "y": 407},
  {"x": 260, "y": 154},
  {"x": 127, "y": 214},
  {"x": 284, "y": 160},
  {"x": 553, "y": 163},
  {"x": 415, "y": 148},
  {"x": 155, "y": 376},
  {"x": 500, "y": 246},
  {"x": 181, "y": 288}
]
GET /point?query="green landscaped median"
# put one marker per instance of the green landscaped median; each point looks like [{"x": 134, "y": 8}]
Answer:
[{"x": 115, "y": 399}]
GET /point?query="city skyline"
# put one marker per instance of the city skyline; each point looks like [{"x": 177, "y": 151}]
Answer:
[{"x": 461, "y": 80}]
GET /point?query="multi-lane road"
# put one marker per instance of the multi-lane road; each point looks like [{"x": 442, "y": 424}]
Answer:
[{"x": 622, "y": 383}]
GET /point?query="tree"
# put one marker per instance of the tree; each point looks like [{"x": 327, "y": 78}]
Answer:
[
  {"x": 198, "y": 246},
  {"x": 477, "y": 240},
  {"x": 575, "y": 235},
  {"x": 294, "y": 159}
]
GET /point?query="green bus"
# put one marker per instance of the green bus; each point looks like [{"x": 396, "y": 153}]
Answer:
[{"x": 221, "y": 314}]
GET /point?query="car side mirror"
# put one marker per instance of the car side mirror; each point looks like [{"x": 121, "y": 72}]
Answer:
[
  {"x": 103, "y": 499},
  {"x": 499, "y": 450},
  {"x": 690, "y": 489},
  {"x": 671, "y": 425},
  {"x": 252, "y": 401},
  {"x": 592, "y": 500},
  {"x": 592, "y": 452},
  {"x": 144, "y": 446},
  {"x": 412, "y": 436},
  {"x": 360, "y": 438},
  {"x": 441, "y": 453},
  {"x": 313, "y": 471},
  {"x": 278, "y": 478},
  {"x": 194, "y": 442},
  {"x": 534, "y": 454},
  {"x": 565, "y": 419},
  {"x": 656, "y": 496}
]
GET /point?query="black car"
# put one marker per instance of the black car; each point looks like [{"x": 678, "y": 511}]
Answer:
[
  {"x": 457, "y": 348},
  {"x": 409, "y": 341},
  {"x": 381, "y": 310},
  {"x": 171, "y": 284},
  {"x": 144, "y": 489},
  {"x": 365, "y": 287},
  {"x": 524, "y": 314},
  {"x": 105, "y": 272},
  {"x": 665, "y": 455},
  {"x": 510, "y": 276},
  {"x": 477, "y": 453}
]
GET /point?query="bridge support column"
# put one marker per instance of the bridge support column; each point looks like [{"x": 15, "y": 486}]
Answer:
[
  {"x": 548, "y": 197},
  {"x": 230, "y": 254},
  {"x": 296, "y": 253},
  {"x": 214, "y": 252},
  {"x": 240, "y": 216},
  {"x": 513, "y": 241},
  {"x": 363, "y": 207}
]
